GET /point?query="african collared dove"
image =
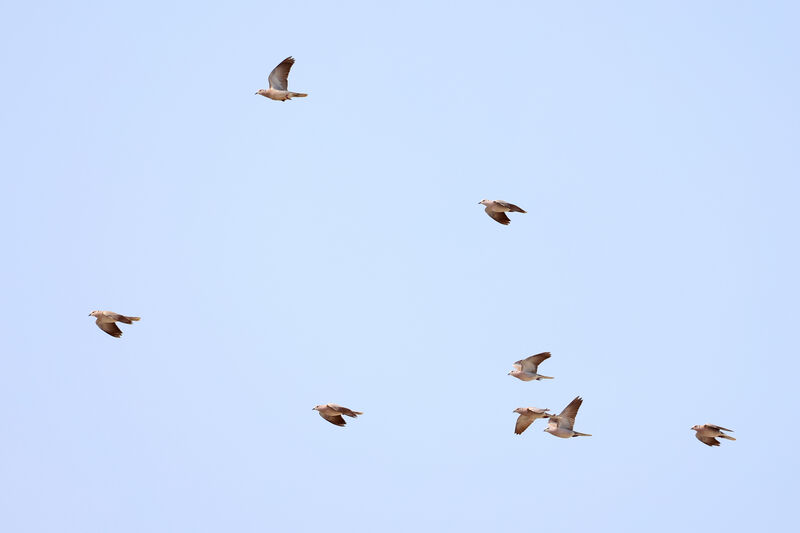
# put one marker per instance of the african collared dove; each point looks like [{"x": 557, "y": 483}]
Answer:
[
  {"x": 707, "y": 432},
  {"x": 526, "y": 417},
  {"x": 525, "y": 369},
  {"x": 279, "y": 82},
  {"x": 497, "y": 209},
  {"x": 105, "y": 321},
  {"x": 333, "y": 413},
  {"x": 561, "y": 425}
]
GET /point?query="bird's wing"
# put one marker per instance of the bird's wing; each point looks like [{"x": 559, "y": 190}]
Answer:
[
  {"x": 279, "y": 77},
  {"x": 344, "y": 410},
  {"x": 333, "y": 419},
  {"x": 531, "y": 364},
  {"x": 709, "y": 441},
  {"x": 719, "y": 428},
  {"x": 522, "y": 423},
  {"x": 511, "y": 207},
  {"x": 109, "y": 327},
  {"x": 538, "y": 411},
  {"x": 498, "y": 216},
  {"x": 567, "y": 416},
  {"x": 518, "y": 365},
  {"x": 116, "y": 316}
]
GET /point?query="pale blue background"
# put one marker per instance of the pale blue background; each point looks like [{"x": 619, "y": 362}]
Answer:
[{"x": 331, "y": 249}]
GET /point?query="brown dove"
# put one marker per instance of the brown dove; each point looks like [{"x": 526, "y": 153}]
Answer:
[
  {"x": 707, "y": 432},
  {"x": 333, "y": 413},
  {"x": 497, "y": 209},
  {"x": 279, "y": 83},
  {"x": 561, "y": 425},
  {"x": 527, "y": 415},
  {"x": 106, "y": 321},
  {"x": 525, "y": 369}
]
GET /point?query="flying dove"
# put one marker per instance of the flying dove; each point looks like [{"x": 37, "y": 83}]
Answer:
[
  {"x": 279, "y": 83},
  {"x": 497, "y": 209},
  {"x": 333, "y": 413},
  {"x": 561, "y": 425},
  {"x": 526, "y": 417},
  {"x": 525, "y": 369},
  {"x": 707, "y": 432},
  {"x": 106, "y": 321}
]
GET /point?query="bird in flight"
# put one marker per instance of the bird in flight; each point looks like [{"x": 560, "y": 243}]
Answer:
[
  {"x": 525, "y": 369},
  {"x": 561, "y": 425},
  {"x": 106, "y": 320},
  {"x": 705, "y": 433},
  {"x": 333, "y": 413},
  {"x": 497, "y": 209},
  {"x": 527, "y": 415},
  {"x": 279, "y": 83}
]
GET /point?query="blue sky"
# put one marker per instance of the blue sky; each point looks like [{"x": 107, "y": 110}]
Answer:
[{"x": 331, "y": 249}]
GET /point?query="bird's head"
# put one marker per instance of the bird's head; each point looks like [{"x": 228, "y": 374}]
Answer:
[
  {"x": 519, "y": 410},
  {"x": 483, "y": 202},
  {"x": 94, "y": 313},
  {"x": 316, "y": 408},
  {"x": 696, "y": 428},
  {"x": 262, "y": 92}
]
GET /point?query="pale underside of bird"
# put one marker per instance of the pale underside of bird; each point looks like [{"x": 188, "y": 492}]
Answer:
[
  {"x": 497, "y": 209},
  {"x": 561, "y": 425},
  {"x": 705, "y": 433},
  {"x": 106, "y": 320},
  {"x": 333, "y": 413},
  {"x": 279, "y": 83},
  {"x": 526, "y": 369},
  {"x": 527, "y": 415}
]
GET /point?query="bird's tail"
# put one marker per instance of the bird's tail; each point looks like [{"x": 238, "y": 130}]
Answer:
[
  {"x": 545, "y": 377},
  {"x": 134, "y": 318},
  {"x": 353, "y": 414},
  {"x": 722, "y": 436},
  {"x": 297, "y": 95},
  {"x": 576, "y": 434}
]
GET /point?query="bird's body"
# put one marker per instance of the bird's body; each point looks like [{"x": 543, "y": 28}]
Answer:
[
  {"x": 706, "y": 434},
  {"x": 106, "y": 320},
  {"x": 527, "y": 415},
  {"x": 561, "y": 425},
  {"x": 497, "y": 209},
  {"x": 333, "y": 413},
  {"x": 526, "y": 369},
  {"x": 279, "y": 83}
]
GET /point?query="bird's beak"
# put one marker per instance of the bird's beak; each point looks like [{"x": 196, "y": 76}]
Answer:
[
  {"x": 255, "y": 93},
  {"x": 90, "y": 314}
]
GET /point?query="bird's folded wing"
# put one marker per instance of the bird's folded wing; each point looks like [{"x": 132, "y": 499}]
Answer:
[
  {"x": 279, "y": 77},
  {"x": 720, "y": 428},
  {"x": 511, "y": 207}
]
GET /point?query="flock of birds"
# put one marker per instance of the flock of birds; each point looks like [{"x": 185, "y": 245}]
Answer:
[{"x": 560, "y": 425}]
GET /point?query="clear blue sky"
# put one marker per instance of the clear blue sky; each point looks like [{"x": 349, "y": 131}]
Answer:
[{"x": 331, "y": 249}]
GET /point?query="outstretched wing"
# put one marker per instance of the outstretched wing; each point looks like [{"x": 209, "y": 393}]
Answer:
[
  {"x": 531, "y": 364},
  {"x": 498, "y": 216},
  {"x": 522, "y": 423},
  {"x": 567, "y": 417},
  {"x": 344, "y": 410},
  {"x": 109, "y": 327},
  {"x": 279, "y": 77}
]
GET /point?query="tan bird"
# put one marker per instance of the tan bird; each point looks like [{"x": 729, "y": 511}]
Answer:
[
  {"x": 561, "y": 425},
  {"x": 279, "y": 83},
  {"x": 527, "y": 415},
  {"x": 525, "y": 369},
  {"x": 333, "y": 413},
  {"x": 106, "y": 321},
  {"x": 707, "y": 432},
  {"x": 497, "y": 209}
]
